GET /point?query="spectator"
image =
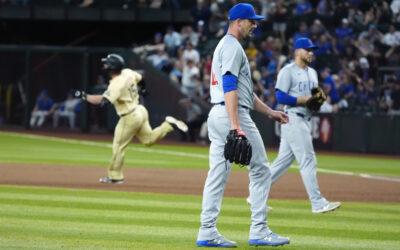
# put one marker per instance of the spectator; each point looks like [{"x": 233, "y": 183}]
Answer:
[
  {"x": 159, "y": 60},
  {"x": 176, "y": 73},
  {"x": 395, "y": 8},
  {"x": 172, "y": 40},
  {"x": 251, "y": 51},
  {"x": 346, "y": 88},
  {"x": 204, "y": 90},
  {"x": 66, "y": 109},
  {"x": 365, "y": 46},
  {"x": 42, "y": 108},
  {"x": 190, "y": 79},
  {"x": 158, "y": 44},
  {"x": 364, "y": 66},
  {"x": 303, "y": 7},
  {"x": 201, "y": 12},
  {"x": 369, "y": 18},
  {"x": 280, "y": 19},
  {"x": 190, "y": 54},
  {"x": 302, "y": 32},
  {"x": 329, "y": 85},
  {"x": 324, "y": 8},
  {"x": 356, "y": 17},
  {"x": 317, "y": 28},
  {"x": 344, "y": 31},
  {"x": 372, "y": 34},
  {"x": 325, "y": 46},
  {"x": 392, "y": 37},
  {"x": 189, "y": 36},
  {"x": 194, "y": 118}
]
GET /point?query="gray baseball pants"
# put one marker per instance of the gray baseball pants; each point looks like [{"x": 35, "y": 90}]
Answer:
[
  {"x": 296, "y": 143},
  {"x": 259, "y": 175}
]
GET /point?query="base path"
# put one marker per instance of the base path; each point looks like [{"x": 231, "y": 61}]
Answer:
[{"x": 334, "y": 187}]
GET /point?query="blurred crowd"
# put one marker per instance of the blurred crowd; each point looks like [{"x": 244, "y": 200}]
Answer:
[{"x": 357, "y": 60}]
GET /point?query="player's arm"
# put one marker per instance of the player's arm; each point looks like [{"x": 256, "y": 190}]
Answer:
[
  {"x": 263, "y": 108},
  {"x": 229, "y": 84},
  {"x": 283, "y": 83},
  {"x": 93, "y": 99},
  {"x": 286, "y": 99}
]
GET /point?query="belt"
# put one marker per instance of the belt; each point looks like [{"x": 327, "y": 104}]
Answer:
[
  {"x": 223, "y": 104},
  {"x": 127, "y": 113}
]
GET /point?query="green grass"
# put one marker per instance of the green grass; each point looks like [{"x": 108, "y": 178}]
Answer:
[
  {"x": 47, "y": 218},
  {"x": 22, "y": 148},
  {"x": 50, "y": 218}
]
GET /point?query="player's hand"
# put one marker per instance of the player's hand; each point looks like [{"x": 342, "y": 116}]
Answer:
[
  {"x": 80, "y": 94},
  {"x": 279, "y": 116},
  {"x": 237, "y": 148}
]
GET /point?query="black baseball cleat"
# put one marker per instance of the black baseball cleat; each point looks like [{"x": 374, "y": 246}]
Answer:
[
  {"x": 111, "y": 181},
  {"x": 177, "y": 123}
]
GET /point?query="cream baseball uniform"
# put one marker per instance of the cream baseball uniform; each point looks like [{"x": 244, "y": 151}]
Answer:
[{"x": 122, "y": 92}]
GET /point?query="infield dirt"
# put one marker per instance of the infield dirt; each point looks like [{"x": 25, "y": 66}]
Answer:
[{"x": 177, "y": 181}]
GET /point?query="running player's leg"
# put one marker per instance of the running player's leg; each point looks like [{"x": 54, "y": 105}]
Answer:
[
  {"x": 126, "y": 128},
  {"x": 146, "y": 134}
]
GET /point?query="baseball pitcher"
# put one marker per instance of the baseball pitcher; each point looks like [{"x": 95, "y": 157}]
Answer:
[{"x": 234, "y": 136}]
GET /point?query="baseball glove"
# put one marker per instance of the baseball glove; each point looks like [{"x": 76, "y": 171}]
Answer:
[
  {"x": 318, "y": 97},
  {"x": 237, "y": 148}
]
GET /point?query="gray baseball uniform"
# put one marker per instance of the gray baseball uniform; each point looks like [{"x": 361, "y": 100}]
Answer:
[
  {"x": 229, "y": 56},
  {"x": 296, "y": 140}
]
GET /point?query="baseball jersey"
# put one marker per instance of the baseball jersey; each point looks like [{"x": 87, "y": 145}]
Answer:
[
  {"x": 122, "y": 91},
  {"x": 296, "y": 82},
  {"x": 229, "y": 56}
]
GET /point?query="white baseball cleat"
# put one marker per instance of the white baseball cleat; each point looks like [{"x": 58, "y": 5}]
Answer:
[
  {"x": 331, "y": 206},
  {"x": 177, "y": 123},
  {"x": 109, "y": 180},
  {"x": 249, "y": 203}
]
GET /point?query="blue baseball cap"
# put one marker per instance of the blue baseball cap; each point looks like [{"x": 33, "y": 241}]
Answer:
[
  {"x": 244, "y": 11},
  {"x": 304, "y": 43}
]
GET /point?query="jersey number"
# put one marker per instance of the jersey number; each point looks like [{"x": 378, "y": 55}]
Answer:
[{"x": 213, "y": 79}]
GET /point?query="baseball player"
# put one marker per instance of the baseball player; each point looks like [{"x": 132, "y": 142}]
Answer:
[
  {"x": 232, "y": 97},
  {"x": 295, "y": 84},
  {"x": 122, "y": 92}
]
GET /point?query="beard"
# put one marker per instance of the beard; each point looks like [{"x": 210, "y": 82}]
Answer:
[{"x": 307, "y": 61}]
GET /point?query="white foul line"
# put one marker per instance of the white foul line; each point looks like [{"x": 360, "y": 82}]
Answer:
[
  {"x": 108, "y": 145},
  {"x": 193, "y": 155},
  {"x": 366, "y": 176}
]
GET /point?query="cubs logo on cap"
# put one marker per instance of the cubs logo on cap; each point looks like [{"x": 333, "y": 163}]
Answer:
[
  {"x": 304, "y": 43},
  {"x": 244, "y": 11}
]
